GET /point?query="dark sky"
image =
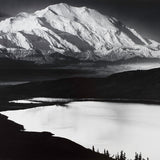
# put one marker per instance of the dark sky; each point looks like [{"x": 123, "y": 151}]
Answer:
[{"x": 143, "y": 15}]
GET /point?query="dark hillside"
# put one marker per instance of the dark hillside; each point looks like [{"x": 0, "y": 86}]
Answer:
[
  {"x": 133, "y": 85},
  {"x": 16, "y": 144}
]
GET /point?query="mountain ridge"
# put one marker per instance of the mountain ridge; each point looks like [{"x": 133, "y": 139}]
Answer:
[{"x": 78, "y": 32}]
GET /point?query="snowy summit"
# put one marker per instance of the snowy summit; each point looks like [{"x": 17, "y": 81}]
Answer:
[{"x": 77, "y": 32}]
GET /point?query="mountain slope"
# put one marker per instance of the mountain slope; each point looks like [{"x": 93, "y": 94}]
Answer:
[{"x": 81, "y": 33}]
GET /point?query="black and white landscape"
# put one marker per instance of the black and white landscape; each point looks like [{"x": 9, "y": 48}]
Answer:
[{"x": 77, "y": 83}]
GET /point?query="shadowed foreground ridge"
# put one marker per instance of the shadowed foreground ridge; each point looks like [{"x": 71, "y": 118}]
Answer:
[{"x": 16, "y": 144}]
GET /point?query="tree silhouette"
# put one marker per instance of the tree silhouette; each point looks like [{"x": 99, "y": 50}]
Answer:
[
  {"x": 93, "y": 149},
  {"x": 119, "y": 156},
  {"x": 106, "y": 153},
  {"x": 136, "y": 156},
  {"x": 122, "y": 156},
  {"x": 140, "y": 156}
]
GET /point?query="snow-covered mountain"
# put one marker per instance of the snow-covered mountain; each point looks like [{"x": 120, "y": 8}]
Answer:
[{"x": 77, "y": 32}]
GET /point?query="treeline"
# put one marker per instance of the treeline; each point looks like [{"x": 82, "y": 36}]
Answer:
[{"x": 120, "y": 156}]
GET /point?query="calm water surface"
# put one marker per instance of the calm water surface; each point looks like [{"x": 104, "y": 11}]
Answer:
[{"x": 114, "y": 126}]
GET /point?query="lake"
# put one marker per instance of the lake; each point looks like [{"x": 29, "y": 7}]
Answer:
[{"x": 113, "y": 126}]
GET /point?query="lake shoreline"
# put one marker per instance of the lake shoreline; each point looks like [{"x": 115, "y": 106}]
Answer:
[
  {"x": 92, "y": 120},
  {"x": 6, "y": 106},
  {"x": 120, "y": 100},
  {"x": 17, "y": 144}
]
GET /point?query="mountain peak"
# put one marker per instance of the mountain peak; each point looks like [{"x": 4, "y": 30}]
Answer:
[
  {"x": 58, "y": 5},
  {"x": 78, "y": 32},
  {"x": 23, "y": 14}
]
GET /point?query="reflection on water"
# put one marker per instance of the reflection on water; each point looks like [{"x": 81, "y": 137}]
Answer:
[
  {"x": 114, "y": 126},
  {"x": 40, "y": 100}
]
